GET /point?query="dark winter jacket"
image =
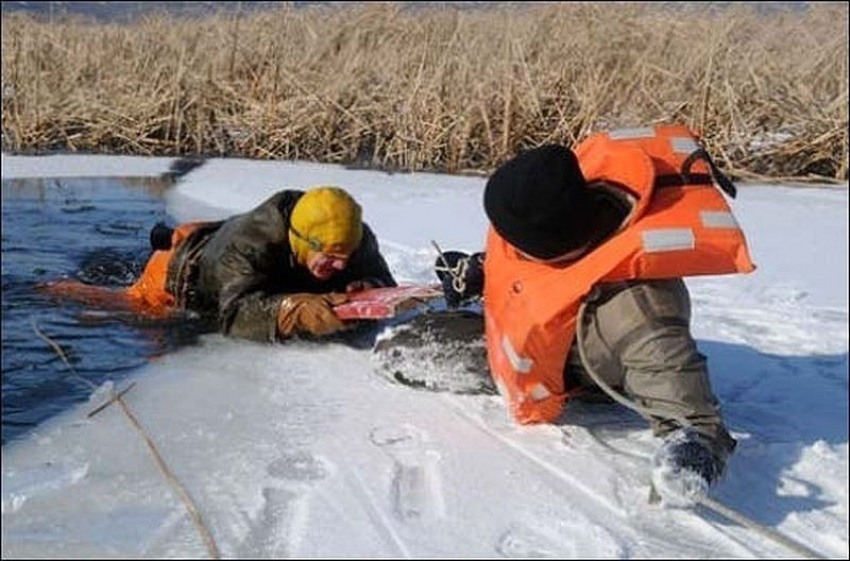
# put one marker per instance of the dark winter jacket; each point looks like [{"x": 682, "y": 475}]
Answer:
[{"x": 241, "y": 268}]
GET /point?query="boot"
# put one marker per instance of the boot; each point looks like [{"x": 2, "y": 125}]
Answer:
[{"x": 684, "y": 468}]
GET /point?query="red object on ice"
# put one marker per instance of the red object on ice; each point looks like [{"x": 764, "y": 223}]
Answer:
[{"x": 382, "y": 303}]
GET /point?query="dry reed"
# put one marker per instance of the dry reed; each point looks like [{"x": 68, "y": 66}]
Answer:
[{"x": 442, "y": 89}]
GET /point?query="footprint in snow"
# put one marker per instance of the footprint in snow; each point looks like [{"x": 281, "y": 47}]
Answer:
[
  {"x": 415, "y": 487},
  {"x": 280, "y": 525},
  {"x": 559, "y": 539},
  {"x": 299, "y": 466}
]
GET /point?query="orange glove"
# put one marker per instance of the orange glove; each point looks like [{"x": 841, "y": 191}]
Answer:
[{"x": 309, "y": 313}]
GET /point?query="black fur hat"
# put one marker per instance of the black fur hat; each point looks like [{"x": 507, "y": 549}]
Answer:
[{"x": 538, "y": 202}]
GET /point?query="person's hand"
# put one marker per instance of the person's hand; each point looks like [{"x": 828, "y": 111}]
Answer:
[
  {"x": 309, "y": 313},
  {"x": 358, "y": 285}
]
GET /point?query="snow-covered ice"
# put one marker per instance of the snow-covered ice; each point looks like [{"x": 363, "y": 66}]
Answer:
[{"x": 301, "y": 450}]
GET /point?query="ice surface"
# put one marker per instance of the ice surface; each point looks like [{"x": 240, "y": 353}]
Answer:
[{"x": 303, "y": 451}]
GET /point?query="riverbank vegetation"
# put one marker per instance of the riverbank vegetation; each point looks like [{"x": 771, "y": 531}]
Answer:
[{"x": 435, "y": 88}]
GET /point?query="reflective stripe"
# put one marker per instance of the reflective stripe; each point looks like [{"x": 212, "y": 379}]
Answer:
[
  {"x": 668, "y": 239},
  {"x": 503, "y": 391},
  {"x": 682, "y": 145},
  {"x": 520, "y": 364},
  {"x": 718, "y": 219},
  {"x": 539, "y": 392},
  {"x": 638, "y": 132}
]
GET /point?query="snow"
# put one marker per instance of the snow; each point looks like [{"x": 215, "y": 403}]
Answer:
[
  {"x": 302, "y": 450},
  {"x": 70, "y": 165}
]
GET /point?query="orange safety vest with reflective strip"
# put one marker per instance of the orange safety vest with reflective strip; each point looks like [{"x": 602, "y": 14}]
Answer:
[{"x": 680, "y": 225}]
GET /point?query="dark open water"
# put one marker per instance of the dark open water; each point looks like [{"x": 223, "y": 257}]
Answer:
[{"x": 94, "y": 230}]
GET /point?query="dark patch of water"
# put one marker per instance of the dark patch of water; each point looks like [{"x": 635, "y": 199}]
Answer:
[{"x": 94, "y": 230}]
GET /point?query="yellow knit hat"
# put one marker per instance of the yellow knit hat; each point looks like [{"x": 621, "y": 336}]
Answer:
[{"x": 325, "y": 219}]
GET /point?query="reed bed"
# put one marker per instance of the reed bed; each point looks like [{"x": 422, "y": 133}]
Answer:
[{"x": 440, "y": 89}]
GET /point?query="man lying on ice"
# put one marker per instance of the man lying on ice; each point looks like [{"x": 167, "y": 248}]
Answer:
[
  {"x": 582, "y": 289},
  {"x": 266, "y": 275}
]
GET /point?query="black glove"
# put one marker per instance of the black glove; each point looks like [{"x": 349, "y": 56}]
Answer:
[
  {"x": 161, "y": 236},
  {"x": 462, "y": 276}
]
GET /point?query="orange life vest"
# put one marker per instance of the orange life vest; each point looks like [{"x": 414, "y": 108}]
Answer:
[
  {"x": 680, "y": 225},
  {"x": 149, "y": 293},
  {"x": 148, "y": 296}
]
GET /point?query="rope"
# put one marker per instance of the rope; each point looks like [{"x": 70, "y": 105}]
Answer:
[
  {"x": 729, "y": 513},
  {"x": 770, "y": 533},
  {"x": 614, "y": 394},
  {"x": 109, "y": 401},
  {"x": 458, "y": 272},
  {"x": 181, "y": 491}
]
